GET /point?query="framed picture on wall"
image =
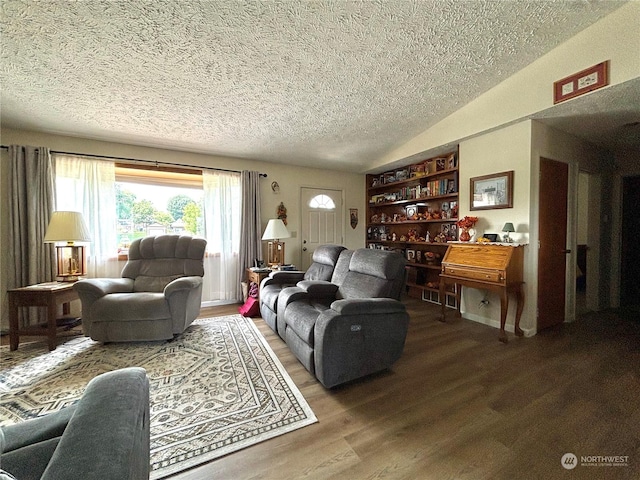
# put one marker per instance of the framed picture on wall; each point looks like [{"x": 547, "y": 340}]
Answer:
[{"x": 492, "y": 191}]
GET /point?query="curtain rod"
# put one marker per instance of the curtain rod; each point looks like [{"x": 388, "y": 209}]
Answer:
[{"x": 154, "y": 162}]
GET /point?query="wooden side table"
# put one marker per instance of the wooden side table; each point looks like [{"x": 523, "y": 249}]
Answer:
[
  {"x": 256, "y": 277},
  {"x": 48, "y": 295}
]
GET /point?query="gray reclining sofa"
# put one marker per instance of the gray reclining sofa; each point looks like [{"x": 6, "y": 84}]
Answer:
[
  {"x": 104, "y": 436},
  {"x": 324, "y": 259},
  {"x": 351, "y": 326}
]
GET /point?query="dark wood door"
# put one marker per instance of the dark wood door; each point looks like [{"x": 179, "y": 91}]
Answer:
[
  {"x": 630, "y": 258},
  {"x": 554, "y": 181}
]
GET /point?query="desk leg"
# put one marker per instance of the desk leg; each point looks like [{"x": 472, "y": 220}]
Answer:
[
  {"x": 520, "y": 297},
  {"x": 443, "y": 301},
  {"x": 52, "y": 313},
  {"x": 504, "y": 305},
  {"x": 14, "y": 338}
]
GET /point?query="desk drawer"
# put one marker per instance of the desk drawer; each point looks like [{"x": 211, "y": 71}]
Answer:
[{"x": 494, "y": 276}]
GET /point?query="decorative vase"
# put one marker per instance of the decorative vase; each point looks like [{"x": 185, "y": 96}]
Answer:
[{"x": 465, "y": 236}]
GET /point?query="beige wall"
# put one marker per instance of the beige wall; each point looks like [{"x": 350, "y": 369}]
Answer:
[
  {"x": 290, "y": 179},
  {"x": 500, "y": 151},
  {"x": 519, "y": 147}
]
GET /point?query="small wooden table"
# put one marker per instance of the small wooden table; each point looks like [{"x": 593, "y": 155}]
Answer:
[
  {"x": 256, "y": 277},
  {"x": 48, "y": 295}
]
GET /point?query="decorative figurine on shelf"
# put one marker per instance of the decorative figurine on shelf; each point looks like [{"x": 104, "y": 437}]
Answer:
[
  {"x": 431, "y": 257},
  {"x": 427, "y": 238}
]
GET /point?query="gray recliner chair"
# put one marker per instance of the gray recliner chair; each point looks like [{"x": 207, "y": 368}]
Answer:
[
  {"x": 158, "y": 296},
  {"x": 354, "y": 325},
  {"x": 324, "y": 261},
  {"x": 105, "y": 435}
]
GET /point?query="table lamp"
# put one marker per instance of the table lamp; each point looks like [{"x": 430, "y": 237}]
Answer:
[
  {"x": 68, "y": 227},
  {"x": 275, "y": 230},
  {"x": 508, "y": 227}
]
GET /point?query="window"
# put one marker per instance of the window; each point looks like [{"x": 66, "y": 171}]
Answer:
[
  {"x": 155, "y": 201},
  {"x": 322, "y": 201}
]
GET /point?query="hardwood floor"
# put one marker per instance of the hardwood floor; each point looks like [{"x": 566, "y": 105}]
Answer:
[{"x": 461, "y": 405}]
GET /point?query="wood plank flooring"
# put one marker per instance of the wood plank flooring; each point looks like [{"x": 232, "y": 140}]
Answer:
[{"x": 461, "y": 405}]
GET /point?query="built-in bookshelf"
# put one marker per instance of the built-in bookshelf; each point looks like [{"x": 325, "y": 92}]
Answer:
[{"x": 414, "y": 210}]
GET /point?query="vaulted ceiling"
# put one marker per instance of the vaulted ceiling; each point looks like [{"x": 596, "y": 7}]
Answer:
[{"x": 335, "y": 84}]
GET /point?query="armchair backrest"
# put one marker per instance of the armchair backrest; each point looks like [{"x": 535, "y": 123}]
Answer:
[
  {"x": 156, "y": 261},
  {"x": 325, "y": 258},
  {"x": 374, "y": 274}
]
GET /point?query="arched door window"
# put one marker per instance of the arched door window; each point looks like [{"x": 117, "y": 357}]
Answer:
[{"x": 322, "y": 201}]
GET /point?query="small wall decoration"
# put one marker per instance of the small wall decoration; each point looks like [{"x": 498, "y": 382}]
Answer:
[
  {"x": 353, "y": 217},
  {"x": 492, "y": 191},
  {"x": 281, "y": 213},
  {"x": 585, "y": 81}
]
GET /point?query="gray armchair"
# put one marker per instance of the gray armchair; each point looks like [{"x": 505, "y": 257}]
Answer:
[
  {"x": 324, "y": 262},
  {"x": 158, "y": 296},
  {"x": 354, "y": 325},
  {"x": 104, "y": 436}
]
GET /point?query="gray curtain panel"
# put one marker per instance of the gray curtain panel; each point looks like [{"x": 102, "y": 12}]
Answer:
[
  {"x": 31, "y": 189},
  {"x": 251, "y": 223}
]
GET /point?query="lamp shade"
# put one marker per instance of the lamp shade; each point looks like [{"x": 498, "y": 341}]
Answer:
[
  {"x": 67, "y": 227},
  {"x": 508, "y": 227},
  {"x": 276, "y": 229}
]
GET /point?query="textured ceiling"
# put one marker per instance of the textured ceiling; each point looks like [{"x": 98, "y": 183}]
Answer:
[{"x": 335, "y": 84}]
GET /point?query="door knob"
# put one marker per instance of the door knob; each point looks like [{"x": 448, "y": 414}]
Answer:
[{"x": 565, "y": 251}]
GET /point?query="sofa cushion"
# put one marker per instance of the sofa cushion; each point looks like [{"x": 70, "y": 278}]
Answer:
[
  {"x": 301, "y": 318},
  {"x": 145, "y": 283},
  {"x": 165, "y": 255},
  {"x": 30, "y": 461},
  {"x": 373, "y": 273},
  {"x": 122, "y": 307},
  {"x": 269, "y": 295}
]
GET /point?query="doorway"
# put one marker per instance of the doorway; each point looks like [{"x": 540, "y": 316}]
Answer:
[
  {"x": 630, "y": 253},
  {"x": 552, "y": 234},
  {"x": 582, "y": 243},
  {"x": 321, "y": 220}
]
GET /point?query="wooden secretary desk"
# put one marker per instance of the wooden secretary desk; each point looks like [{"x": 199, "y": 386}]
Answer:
[{"x": 496, "y": 267}]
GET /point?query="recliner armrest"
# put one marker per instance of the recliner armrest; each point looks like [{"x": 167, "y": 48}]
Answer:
[
  {"x": 318, "y": 288},
  {"x": 113, "y": 412},
  {"x": 288, "y": 295},
  {"x": 282, "y": 278},
  {"x": 182, "y": 283},
  {"x": 99, "y": 287},
  {"x": 364, "y": 306}
]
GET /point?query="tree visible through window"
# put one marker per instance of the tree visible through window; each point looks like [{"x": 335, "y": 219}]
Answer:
[{"x": 148, "y": 205}]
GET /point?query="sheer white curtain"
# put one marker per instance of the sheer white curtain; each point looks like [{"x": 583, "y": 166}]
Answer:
[
  {"x": 222, "y": 231},
  {"x": 87, "y": 185}
]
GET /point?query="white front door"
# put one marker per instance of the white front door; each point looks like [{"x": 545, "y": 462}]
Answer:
[{"x": 321, "y": 220}]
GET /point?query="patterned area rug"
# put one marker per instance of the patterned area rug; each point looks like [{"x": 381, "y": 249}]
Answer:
[{"x": 216, "y": 389}]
